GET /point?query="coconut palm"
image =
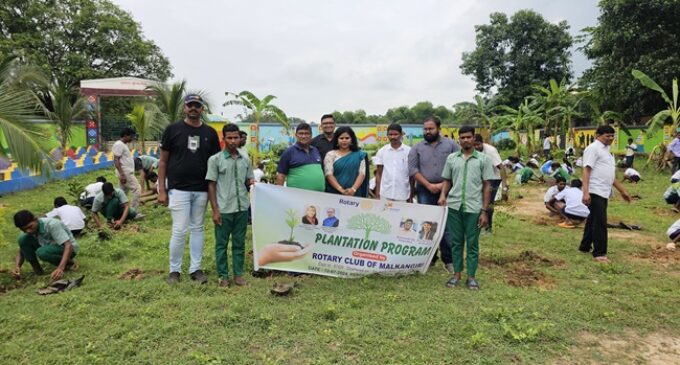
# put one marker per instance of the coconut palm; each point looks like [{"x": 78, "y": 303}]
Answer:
[
  {"x": 170, "y": 100},
  {"x": 18, "y": 107},
  {"x": 673, "y": 110},
  {"x": 63, "y": 106},
  {"x": 259, "y": 108},
  {"x": 146, "y": 119}
]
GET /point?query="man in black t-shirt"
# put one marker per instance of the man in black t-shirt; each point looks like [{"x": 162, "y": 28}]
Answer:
[
  {"x": 324, "y": 141},
  {"x": 186, "y": 147}
]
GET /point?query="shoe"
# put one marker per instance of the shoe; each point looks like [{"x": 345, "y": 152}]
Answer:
[
  {"x": 472, "y": 284},
  {"x": 199, "y": 276},
  {"x": 173, "y": 278},
  {"x": 449, "y": 268},
  {"x": 452, "y": 282},
  {"x": 566, "y": 225},
  {"x": 224, "y": 283},
  {"x": 139, "y": 217},
  {"x": 238, "y": 280},
  {"x": 602, "y": 259}
]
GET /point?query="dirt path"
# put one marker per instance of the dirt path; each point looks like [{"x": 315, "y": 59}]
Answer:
[{"x": 654, "y": 349}]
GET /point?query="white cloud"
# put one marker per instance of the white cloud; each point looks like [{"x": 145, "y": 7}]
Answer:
[{"x": 320, "y": 56}]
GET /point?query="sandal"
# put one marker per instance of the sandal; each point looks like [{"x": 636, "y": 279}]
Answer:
[
  {"x": 566, "y": 225},
  {"x": 602, "y": 259},
  {"x": 472, "y": 284},
  {"x": 452, "y": 282}
]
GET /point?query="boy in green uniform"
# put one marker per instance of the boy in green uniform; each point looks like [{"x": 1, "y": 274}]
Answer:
[
  {"x": 227, "y": 170},
  {"x": 113, "y": 203},
  {"x": 47, "y": 239},
  {"x": 527, "y": 173},
  {"x": 466, "y": 191}
]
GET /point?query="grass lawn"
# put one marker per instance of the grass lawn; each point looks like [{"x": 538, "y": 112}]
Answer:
[{"x": 541, "y": 300}]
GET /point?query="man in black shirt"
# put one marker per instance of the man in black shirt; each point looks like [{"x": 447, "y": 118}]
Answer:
[
  {"x": 185, "y": 148},
  {"x": 324, "y": 141}
]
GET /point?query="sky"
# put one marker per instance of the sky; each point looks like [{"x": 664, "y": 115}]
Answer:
[{"x": 320, "y": 56}]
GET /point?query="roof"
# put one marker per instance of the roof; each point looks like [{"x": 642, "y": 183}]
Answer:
[{"x": 118, "y": 83}]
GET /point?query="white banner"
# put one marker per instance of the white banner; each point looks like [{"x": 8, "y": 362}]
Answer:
[{"x": 336, "y": 235}]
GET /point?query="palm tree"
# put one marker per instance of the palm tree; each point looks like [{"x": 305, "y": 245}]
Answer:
[
  {"x": 63, "y": 105},
  {"x": 170, "y": 100},
  {"x": 259, "y": 108},
  {"x": 673, "y": 110},
  {"x": 18, "y": 107},
  {"x": 146, "y": 118}
]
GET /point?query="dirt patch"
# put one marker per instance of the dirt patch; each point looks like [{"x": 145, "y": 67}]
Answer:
[
  {"x": 132, "y": 274},
  {"x": 523, "y": 270},
  {"x": 654, "y": 349},
  {"x": 660, "y": 255}
]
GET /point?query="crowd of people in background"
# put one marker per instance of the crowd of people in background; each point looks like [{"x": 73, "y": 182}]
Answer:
[{"x": 466, "y": 175}]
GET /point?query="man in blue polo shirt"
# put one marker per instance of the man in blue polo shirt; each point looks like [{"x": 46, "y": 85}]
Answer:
[{"x": 300, "y": 165}]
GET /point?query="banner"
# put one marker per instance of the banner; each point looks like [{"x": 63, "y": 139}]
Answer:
[{"x": 336, "y": 235}]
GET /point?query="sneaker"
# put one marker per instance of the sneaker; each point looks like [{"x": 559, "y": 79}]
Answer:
[
  {"x": 139, "y": 217},
  {"x": 238, "y": 280},
  {"x": 199, "y": 276},
  {"x": 224, "y": 283},
  {"x": 173, "y": 278},
  {"x": 449, "y": 268}
]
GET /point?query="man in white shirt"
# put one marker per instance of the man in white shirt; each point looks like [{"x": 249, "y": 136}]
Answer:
[
  {"x": 574, "y": 211},
  {"x": 259, "y": 172},
  {"x": 70, "y": 215},
  {"x": 125, "y": 166},
  {"x": 498, "y": 172},
  {"x": 91, "y": 190},
  {"x": 598, "y": 177},
  {"x": 546, "y": 146},
  {"x": 553, "y": 205},
  {"x": 631, "y": 148},
  {"x": 392, "y": 180}
]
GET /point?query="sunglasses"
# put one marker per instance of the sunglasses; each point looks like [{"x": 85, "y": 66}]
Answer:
[{"x": 195, "y": 105}]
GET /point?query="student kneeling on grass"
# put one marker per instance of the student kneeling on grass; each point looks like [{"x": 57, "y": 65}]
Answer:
[
  {"x": 113, "y": 203},
  {"x": 47, "y": 239},
  {"x": 227, "y": 170},
  {"x": 574, "y": 211},
  {"x": 555, "y": 206},
  {"x": 673, "y": 233},
  {"x": 672, "y": 196},
  {"x": 70, "y": 215},
  {"x": 631, "y": 175},
  {"x": 527, "y": 174}
]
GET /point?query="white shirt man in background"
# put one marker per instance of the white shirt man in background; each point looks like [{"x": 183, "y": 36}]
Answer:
[
  {"x": 91, "y": 190},
  {"x": 499, "y": 174},
  {"x": 125, "y": 167},
  {"x": 599, "y": 174},
  {"x": 72, "y": 217},
  {"x": 392, "y": 180},
  {"x": 259, "y": 172}
]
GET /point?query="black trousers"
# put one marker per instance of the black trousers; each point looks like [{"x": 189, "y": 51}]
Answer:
[{"x": 595, "y": 231}]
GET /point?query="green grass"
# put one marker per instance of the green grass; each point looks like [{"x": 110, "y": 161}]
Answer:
[{"x": 372, "y": 320}]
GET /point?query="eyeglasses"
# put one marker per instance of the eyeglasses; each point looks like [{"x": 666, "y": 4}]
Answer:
[{"x": 195, "y": 105}]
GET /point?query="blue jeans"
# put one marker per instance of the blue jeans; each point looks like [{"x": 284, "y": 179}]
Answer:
[
  {"x": 425, "y": 197},
  {"x": 188, "y": 213},
  {"x": 495, "y": 184}
]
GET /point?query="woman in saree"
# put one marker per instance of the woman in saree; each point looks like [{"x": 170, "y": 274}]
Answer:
[{"x": 346, "y": 167}]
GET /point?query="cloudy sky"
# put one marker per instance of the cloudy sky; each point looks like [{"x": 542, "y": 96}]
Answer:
[{"x": 319, "y": 56}]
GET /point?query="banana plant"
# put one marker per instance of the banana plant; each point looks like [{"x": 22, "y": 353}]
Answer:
[{"x": 673, "y": 110}]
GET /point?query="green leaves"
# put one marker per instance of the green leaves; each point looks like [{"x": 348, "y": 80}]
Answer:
[
  {"x": 672, "y": 112},
  {"x": 258, "y": 107}
]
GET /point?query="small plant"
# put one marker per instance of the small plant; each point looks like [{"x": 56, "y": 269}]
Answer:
[{"x": 75, "y": 188}]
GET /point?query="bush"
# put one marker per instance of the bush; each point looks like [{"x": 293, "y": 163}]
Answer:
[{"x": 506, "y": 144}]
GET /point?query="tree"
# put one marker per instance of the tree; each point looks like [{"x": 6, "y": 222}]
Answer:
[
  {"x": 63, "y": 106},
  {"x": 510, "y": 56},
  {"x": 559, "y": 104},
  {"x": 79, "y": 39},
  {"x": 631, "y": 34},
  {"x": 523, "y": 118},
  {"x": 259, "y": 108},
  {"x": 18, "y": 107},
  {"x": 672, "y": 111},
  {"x": 146, "y": 119},
  {"x": 170, "y": 100},
  {"x": 368, "y": 223}
]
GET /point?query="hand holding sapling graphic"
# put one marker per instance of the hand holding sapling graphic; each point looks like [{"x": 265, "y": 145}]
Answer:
[{"x": 285, "y": 250}]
